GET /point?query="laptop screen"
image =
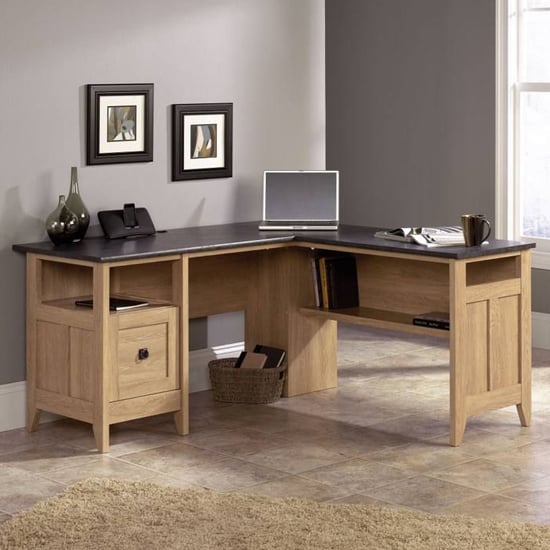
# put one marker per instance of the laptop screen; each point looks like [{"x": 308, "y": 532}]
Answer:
[{"x": 301, "y": 196}]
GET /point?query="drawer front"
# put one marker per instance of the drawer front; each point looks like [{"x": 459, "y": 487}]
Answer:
[{"x": 143, "y": 352}]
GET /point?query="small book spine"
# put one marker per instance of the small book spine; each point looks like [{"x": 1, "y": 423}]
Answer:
[
  {"x": 324, "y": 283},
  {"x": 432, "y": 323}
]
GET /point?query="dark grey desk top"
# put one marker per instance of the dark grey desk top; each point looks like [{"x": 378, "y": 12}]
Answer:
[{"x": 237, "y": 235}]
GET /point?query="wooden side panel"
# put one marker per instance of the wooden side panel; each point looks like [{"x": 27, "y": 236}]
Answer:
[
  {"x": 398, "y": 284},
  {"x": 284, "y": 284},
  {"x": 82, "y": 372},
  {"x": 60, "y": 280},
  {"x": 151, "y": 280},
  {"x": 476, "y": 353},
  {"x": 52, "y": 357},
  {"x": 220, "y": 284},
  {"x": 181, "y": 299},
  {"x": 505, "y": 366}
]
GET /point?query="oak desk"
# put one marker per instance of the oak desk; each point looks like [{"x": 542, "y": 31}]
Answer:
[{"x": 87, "y": 364}]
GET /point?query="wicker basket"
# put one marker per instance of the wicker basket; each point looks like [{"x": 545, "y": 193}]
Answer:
[{"x": 245, "y": 385}]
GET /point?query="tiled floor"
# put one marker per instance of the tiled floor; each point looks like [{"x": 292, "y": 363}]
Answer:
[{"x": 381, "y": 437}]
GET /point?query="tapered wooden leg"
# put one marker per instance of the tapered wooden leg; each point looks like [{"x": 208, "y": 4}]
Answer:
[
  {"x": 458, "y": 427},
  {"x": 33, "y": 418},
  {"x": 101, "y": 435},
  {"x": 458, "y": 356},
  {"x": 524, "y": 413}
]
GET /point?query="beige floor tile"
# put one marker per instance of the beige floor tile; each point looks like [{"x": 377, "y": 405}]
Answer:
[
  {"x": 420, "y": 457},
  {"x": 424, "y": 493},
  {"x": 487, "y": 475},
  {"x": 47, "y": 458},
  {"x": 417, "y": 426},
  {"x": 481, "y": 442},
  {"x": 20, "y": 440},
  {"x": 20, "y": 489},
  {"x": 357, "y": 475},
  {"x": 172, "y": 459},
  {"x": 229, "y": 474},
  {"x": 535, "y": 492},
  {"x": 294, "y": 486},
  {"x": 358, "y": 441},
  {"x": 501, "y": 507},
  {"x": 534, "y": 457},
  {"x": 293, "y": 459},
  {"x": 102, "y": 466},
  {"x": 238, "y": 443},
  {"x": 128, "y": 440}
]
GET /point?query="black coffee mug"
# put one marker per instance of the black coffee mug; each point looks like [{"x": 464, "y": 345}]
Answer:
[{"x": 476, "y": 229}]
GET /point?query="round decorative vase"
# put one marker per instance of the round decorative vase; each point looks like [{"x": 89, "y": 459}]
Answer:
[
  {"x": 62, "y": 224},
  {"x": 76, "y": 205}
]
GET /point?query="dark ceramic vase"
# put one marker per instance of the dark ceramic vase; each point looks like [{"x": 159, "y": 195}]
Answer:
[
  {"x": 62, "y": 223},
  {"x": 76, "y": 205}
]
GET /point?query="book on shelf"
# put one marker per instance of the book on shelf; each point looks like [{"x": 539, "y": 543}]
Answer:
[
  {"x": 433, "y": 319},
  {"x": 445, "y": 235},
  {"x": 250, "y": 360},
  {"x": 335, "y": 281},
  {"x": 115, "y": 304},
  {"x": 275, "y": 356}
]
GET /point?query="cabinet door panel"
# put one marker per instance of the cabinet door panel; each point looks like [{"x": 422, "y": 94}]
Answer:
[{"x": 154, "y": 370}]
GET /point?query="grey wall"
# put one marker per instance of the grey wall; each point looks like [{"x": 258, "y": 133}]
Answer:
[
  {"x": 410, "y": 112},
  {"x": 410, "y": 109},
  {"x": 265, "y": 56}
]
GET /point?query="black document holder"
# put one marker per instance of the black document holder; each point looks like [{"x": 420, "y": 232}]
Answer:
[{"x": 128, "y": 222}]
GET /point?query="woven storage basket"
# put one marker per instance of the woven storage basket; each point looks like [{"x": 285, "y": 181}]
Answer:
[{"x": 245, "y": 385}]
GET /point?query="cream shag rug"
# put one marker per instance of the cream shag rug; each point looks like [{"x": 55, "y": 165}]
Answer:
[{"x": 104, "y": 514}]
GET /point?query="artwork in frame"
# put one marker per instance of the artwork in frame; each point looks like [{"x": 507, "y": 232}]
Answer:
[
  {"x": 202, "y": 141},
  {"x": 119, "y": 123}
]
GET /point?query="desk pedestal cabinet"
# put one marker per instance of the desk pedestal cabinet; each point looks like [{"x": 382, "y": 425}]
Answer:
[
  {"x": 105, "y": 367},
  {"x": 102, "y": 366}
]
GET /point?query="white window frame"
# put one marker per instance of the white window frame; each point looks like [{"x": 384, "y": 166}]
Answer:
[{"x": 507, "y": 208}]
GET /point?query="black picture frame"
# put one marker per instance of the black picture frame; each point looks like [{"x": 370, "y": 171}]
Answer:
[
  {"x": 112, "y": 136},
  {"x": 202, "y": 141}
]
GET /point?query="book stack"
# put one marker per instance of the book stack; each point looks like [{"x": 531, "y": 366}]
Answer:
[
  {"x": 335, "y": 281},
  {"x": 262, "y": 357}
]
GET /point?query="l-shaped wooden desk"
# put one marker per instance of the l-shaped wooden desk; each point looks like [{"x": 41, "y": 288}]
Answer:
[{"x": 86, "y": 364}]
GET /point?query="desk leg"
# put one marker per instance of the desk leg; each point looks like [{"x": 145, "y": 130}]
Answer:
[
  {"x": 524, "y": 408},
  {"x": 102, "y": 390},
  {"x": 101, "y": 436},
  {"x": 33, "y": 275},
  {"x": 458, "y": 355},
  {"x": 181, "y": 297}
]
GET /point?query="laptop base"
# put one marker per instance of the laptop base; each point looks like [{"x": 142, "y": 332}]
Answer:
[{"x": 281, "y": 226}]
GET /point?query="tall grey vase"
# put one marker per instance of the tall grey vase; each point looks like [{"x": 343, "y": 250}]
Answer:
[
  {"x": 62, "y": 223},
  {"x": 75, "y": 204}
]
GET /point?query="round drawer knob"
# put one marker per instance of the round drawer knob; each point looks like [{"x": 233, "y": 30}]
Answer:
[{"x": 143, "y": 353}]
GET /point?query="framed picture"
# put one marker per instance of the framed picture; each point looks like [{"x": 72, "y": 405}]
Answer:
[
  {"x": 202, "y": 141},
  {"x": 119, "y": 123}
]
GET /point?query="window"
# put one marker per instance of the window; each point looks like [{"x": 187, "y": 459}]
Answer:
[{"x": 523, "y": 123}]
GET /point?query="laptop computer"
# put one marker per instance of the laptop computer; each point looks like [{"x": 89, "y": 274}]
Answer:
[{"x": 300, "y": 200}]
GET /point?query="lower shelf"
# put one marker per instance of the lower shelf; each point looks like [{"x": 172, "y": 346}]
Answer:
[{"x": 393, "y": 320}]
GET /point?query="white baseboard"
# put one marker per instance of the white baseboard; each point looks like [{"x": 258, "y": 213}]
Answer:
[
  {"x": 12, "y": 406},
  {"x": 12, "y": 396},
  {"x": 541, "y": 330}
]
